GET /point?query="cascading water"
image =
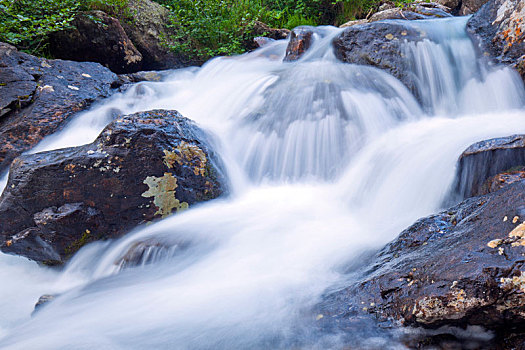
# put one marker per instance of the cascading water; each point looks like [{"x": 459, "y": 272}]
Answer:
[{"x": 327, "y": 160}]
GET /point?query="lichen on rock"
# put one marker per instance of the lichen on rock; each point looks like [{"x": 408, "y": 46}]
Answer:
[
  {"x": 187, "y": 154},
  {"x": 162, "y": 189}
]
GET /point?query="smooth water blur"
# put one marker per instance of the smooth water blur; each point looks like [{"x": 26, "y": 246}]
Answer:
[{"x": 328, "y": 160}]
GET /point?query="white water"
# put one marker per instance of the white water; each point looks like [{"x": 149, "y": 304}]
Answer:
[{"x": 326, "y": 160}]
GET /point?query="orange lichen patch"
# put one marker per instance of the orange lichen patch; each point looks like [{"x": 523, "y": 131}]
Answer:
[
  {"x": 514, "y": 33},
  {"x": 187, "y": 154},
  {"x": 69, "y": 167},
  {"x": 9, "y": 243}
]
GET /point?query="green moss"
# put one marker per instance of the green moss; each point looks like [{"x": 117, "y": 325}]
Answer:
[{"x": 79, "y": 243}]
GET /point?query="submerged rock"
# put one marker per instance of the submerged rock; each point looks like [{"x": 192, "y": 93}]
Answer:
[
  {"x": 487, "y": 165},
  {"x": 97, "y": 37},
  {"x": 142, "y": 167},
  {"x": 43, "y": 300},
  {"x": 37, "y": 97},
  {"x": 463, "y": 266},
  {"x": 379, "y": 44},
  {"x": 499, "y": 30}
]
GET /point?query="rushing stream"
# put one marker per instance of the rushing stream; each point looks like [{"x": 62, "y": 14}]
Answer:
[{"x": 326, "y": 161}]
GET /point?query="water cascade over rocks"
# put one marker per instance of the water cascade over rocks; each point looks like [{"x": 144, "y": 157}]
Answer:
[{"x": 327, "y": 160}]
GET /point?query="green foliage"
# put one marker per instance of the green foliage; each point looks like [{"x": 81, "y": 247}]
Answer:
[
  {"x": 207, "y": 28},
  {"x": 27, "y": 23},
  {"x": 114, "y": 8},
  {"x": 204, "y": 28}
]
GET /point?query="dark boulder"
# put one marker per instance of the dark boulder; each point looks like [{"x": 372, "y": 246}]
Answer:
[
  {"x": 463, "y": 266},
  {"x": 379, "y": 44},
  {"x": 37, "y": 97},
  {"x": 97, "y": 37},
  {"x": 499, "y": 29},
  {"x": 479, "y": 165},
  {"x": 300, "y": 41},
  {"x": 142, "y": 167}
]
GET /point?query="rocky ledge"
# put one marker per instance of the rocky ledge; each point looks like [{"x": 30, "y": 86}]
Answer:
[
  {"x": 464, "y": 266},
  {"x": 38, "y": 96}
]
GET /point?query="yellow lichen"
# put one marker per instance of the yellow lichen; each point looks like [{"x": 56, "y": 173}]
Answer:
[
  {"x": 187, "y": 154},
  {"x": 162, "y": 189},
  {"x": 516, "y": 282},
  {"x": 494, "y": 243},
  {"x": 519, "y": 231}
]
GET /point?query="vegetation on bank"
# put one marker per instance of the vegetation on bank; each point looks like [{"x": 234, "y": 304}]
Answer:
[{"x": 205, "y": 28}]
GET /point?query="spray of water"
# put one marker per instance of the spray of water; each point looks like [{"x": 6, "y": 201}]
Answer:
[{"x": 327, "y": 160}]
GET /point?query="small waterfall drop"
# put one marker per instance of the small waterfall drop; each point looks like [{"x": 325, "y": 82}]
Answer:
[{"x": 327, "y": 160}]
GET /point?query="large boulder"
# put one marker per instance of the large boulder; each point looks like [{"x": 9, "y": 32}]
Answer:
[
  {"x": 152, "y": 31},
  {"x": 379, "y": 44},
  {"x": 485, "y": 164},
  {"x": 142, "y": 167},
  {"x": 463, "y": 266},
  {"x": 499, "y": 30},
  {"x": 97, "y": 37},
  {"x": 37, "y": 97}
]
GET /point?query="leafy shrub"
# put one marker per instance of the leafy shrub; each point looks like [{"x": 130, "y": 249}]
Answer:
[
  {"x": 204, "y": 28},
  {"x": 27, "y": 23}
]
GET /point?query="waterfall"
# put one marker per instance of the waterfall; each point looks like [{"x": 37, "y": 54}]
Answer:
[{"x": 327, "y": 161}]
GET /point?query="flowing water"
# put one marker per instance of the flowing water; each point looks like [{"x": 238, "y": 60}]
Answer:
[{"x": 326, "y": 160}]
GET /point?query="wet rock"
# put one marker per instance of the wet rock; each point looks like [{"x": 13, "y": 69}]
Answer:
[
  {"x": 485, "y": 160},
  {"x": 499, "y": 29},
  {"x": 97, "y": 37},
  {"x": 44, "y": 299},
  {"x": 261, "y": 41},
  {"x": 142, "y": 76},
  {"x": 353, "y": 23},
  {"x": 469, "y": 7},
  {"x": 410, "y": 11},
  {"x": 151, "y": 30},
  {"x": 497, "y": 182},
  {"x": 300, "y": 40},
  {"x": 150, "y": 251},
  {"x": 37, "y": 97},
  {"x": 378, "y": 44},
  {"x": 463, "y": 266},
  {"x": 453, "y": 5},
  {"x": 261, "y": 30},
  {"x": 142, "y": 167},
  {"x": 413, "y": 11}
]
